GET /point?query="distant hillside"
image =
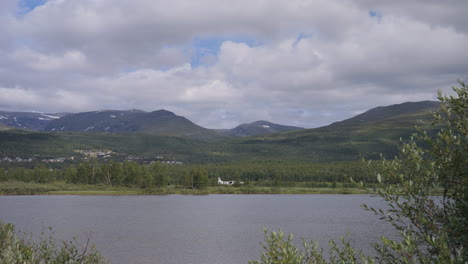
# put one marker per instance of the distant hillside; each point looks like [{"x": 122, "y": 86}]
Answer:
[
  {"x": 368, "y": 135},
  {"x": 159, "y": 122},
  {"x": 385, "y": 112},
  {"x": 28, "y": 120},
  {"x": 257, "y": 128}
]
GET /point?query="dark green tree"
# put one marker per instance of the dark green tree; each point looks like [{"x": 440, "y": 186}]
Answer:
[
  {"x": 94, "y": 172},
  {"x": 158, "y": 173},
  {"x": 3, "y": 175},
  {"x": 116, "y": 172},
  {"x": 71, "y": 175},
  {"x": 41, "y": 174},
  {"x": 146, "y": 177},
  {"x": 199, "y": 178},
  {"x": 84, "y": 173},
  {"x": 113, "y": 174},
  {"x": 132, "y": 177},
  {"x": 187, "y": 180}
]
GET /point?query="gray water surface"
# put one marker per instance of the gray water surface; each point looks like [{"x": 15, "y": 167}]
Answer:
[{"x": 178, "y": 229}]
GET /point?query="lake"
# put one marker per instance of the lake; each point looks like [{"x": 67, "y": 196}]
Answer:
[{"x": 177, "y": 229}]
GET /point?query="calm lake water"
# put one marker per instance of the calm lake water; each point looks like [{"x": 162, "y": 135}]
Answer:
[{"x": 178, "y": 229}]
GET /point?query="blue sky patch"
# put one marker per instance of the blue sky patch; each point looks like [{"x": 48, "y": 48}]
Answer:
[
  {"x": 375, "y": 14},
  {"x": 208, "y": 47},
  {"x": 26, "y": 6},
  {"x": 302, "y": 36}
]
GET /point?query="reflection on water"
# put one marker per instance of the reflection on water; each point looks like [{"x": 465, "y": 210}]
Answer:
[{"x": 193, "y": 229}]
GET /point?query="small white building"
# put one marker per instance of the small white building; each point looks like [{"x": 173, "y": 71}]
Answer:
[{"x": 227, "y": 182}]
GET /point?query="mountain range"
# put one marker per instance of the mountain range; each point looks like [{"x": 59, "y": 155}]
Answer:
[
  {"x": 162, "y": 122},
  {"x": 162, "y": 133}
]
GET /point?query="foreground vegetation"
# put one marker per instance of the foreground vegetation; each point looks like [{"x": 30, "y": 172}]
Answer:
[
  {"x": 16, "y": 248},
  {"x": 432, "y": 229}
]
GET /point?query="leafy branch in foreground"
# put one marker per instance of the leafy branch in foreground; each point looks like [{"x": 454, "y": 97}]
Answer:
[
  {"x": 433, "y": 228},
  {"x": 20, "y": 249},
  {"x": 280, "y": 249}
]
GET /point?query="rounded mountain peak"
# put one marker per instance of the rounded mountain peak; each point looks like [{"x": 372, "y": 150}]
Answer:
[
  {"x": 163, "y": 112},
  {"x": 261, "y": 122}
]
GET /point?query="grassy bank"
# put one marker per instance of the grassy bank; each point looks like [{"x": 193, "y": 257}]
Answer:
[
  {"x": 59, "y": 188},
  {"x": 271, "y": 190},
  {"x": 29, "y": 188}
]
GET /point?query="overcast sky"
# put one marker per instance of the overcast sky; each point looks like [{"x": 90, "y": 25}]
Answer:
[{"x": 222, "y": 62}]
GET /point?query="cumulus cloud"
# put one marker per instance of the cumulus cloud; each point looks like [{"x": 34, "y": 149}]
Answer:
[
  {"x": 18, "y": 99},
  {"x": 305, "y": 63},
  {"x": 17, "y": 96},
  {"x": 70, "y": 60}
]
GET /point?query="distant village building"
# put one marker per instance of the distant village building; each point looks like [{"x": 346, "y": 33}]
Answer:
[
  {"x": 53, "y": 160},
  {"x": 95, "y": 153},
  {"x": 220, "y": 182}
]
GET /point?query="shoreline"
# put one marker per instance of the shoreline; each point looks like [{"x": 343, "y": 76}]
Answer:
[
  {"x": 193, "y": 192},
  {"x": 60, "y": 188}
]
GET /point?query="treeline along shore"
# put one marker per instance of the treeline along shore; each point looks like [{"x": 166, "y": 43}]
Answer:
[{"x": 129, "y": 177}]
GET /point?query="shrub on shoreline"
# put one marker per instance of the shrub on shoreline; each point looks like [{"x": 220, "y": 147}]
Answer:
[{"x": 17, "y": 248}]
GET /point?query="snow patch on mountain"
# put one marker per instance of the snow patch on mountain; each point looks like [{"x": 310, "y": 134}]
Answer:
[
  {"x": 92, "y": 127},
  {"x": 49, "y": 116}
]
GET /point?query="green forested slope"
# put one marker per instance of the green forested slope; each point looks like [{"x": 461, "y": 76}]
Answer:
[
  {"x": 256, "y": 128},
  {"x": 348, "y": 141}
]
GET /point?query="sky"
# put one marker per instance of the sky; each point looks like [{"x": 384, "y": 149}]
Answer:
[{"x": 220, "y": 63}]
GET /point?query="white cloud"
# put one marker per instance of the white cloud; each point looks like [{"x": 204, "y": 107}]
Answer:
[
  {"x": 296, "y": 62},
  {"x": 70, "y": 60},
  {"x": 10, "y": 97},
  {"x": 212, "y": 91},
  {"x": 18, "y": 98}
]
